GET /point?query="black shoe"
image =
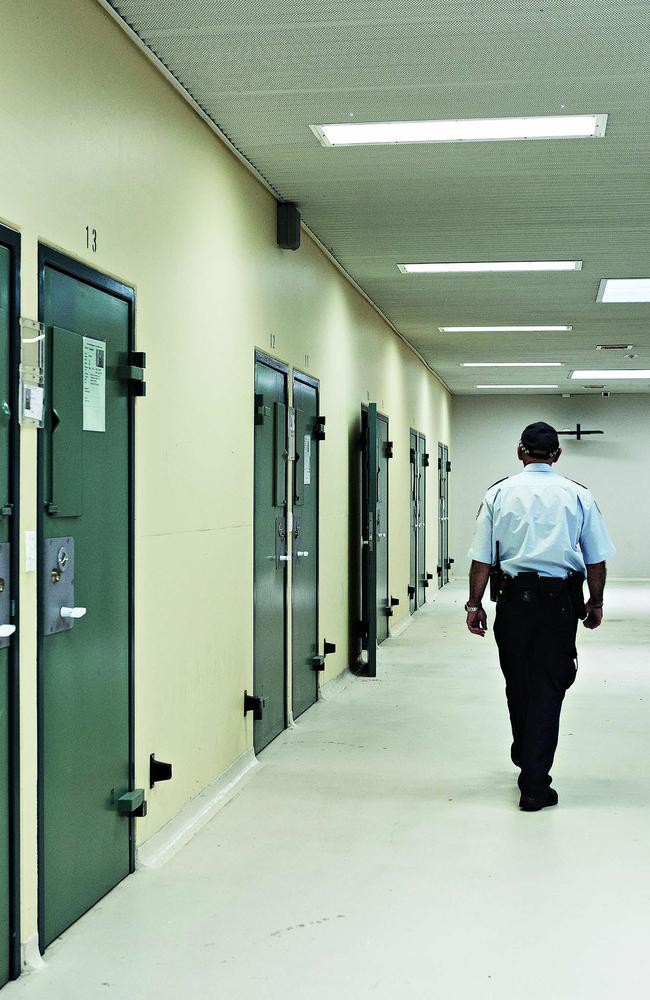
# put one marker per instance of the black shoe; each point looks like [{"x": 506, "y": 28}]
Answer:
[{"x": 533, "y": 803}]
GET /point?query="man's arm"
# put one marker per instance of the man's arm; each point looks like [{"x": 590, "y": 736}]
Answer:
[
  {"x": 479, "y": 575},
  {"x": 596, "y": 576}
]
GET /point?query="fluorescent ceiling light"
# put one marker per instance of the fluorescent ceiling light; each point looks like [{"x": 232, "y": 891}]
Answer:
[
  {"x": 517, "y": 387},
  {"x": 462, "y": 130},
  {"x": 501, "y": 329},
  {"x": 624, "y": 290},
  {"x": 612, "y": 373},
  {"x": 491, "y": 265},
  {"x": 511, "y": 364}
]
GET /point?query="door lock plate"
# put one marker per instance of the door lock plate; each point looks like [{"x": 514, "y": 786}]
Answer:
[
  {"x": 5, "y": 595},
  {"x": 58, "y": 583}
]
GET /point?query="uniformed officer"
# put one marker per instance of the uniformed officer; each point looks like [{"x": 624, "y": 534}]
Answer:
[{"x": 538, "y": 533}]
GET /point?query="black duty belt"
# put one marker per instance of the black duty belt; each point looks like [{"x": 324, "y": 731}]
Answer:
[
  {"x": 531, "y": 579},
  {"x": 532, "y": 585}
]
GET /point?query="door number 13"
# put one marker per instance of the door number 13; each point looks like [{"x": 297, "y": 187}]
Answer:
[{"x": 91, "y": 239}]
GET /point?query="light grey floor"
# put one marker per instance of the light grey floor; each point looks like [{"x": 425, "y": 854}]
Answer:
[{"x": 379, "y": 851}]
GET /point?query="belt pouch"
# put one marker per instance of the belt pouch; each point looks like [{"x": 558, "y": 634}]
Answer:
[{"x": 576, "y": 583}]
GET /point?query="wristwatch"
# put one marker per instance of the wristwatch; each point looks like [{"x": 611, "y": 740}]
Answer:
[{"x": 471, "y": 610}]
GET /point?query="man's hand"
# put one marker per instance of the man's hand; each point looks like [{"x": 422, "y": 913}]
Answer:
[
  {"x": 594, "y": 616},
  {"x": 477, "y": 622}
]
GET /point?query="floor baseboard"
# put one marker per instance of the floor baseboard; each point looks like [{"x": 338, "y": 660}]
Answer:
[{"x": 175, "y": 834}]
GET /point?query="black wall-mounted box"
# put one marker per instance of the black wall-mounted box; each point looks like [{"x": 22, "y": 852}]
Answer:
[{"x": 288, "y": 225}]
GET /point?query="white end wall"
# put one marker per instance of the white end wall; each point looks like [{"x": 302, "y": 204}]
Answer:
[{"x": 614, "y": 466}]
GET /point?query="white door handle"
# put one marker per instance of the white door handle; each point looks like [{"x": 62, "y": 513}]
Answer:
[
  {"x": 73, "y": 612},
  {"x": 302, "y": 553},
  {"x": 6, "y": 631}
]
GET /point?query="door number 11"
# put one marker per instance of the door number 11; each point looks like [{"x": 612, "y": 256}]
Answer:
[{"x": 91, "y": 239}]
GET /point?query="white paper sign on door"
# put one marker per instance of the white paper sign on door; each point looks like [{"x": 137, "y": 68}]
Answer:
[
  {"x": 306, "y": 479},
  {"x": 94, "y": 385}
]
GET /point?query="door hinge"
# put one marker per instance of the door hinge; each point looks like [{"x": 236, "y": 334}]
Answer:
[
  {"x": 425, "y": 459},
  {"x": 328, "y": 647},
  {"x": 261, "y": 411},
  {"x": 319, "y": 429},
  {"x": 254, "y": 705},
  {"x": 394, "y": 601},
  {"x": 388, "y": 449},
  {"x": 411, "y": 591},
  {"x": 133, "y": 373},
  {"x": 448, "y": 466},
  {"x": 132, "y": 803},
  {"x": 158, "y": 770}
]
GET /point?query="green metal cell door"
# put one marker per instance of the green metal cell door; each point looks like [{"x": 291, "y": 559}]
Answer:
[
  {"x": 444, "y": 467},
  {"x": 8, "y": 680},
  {"x": 85, "y": 593},
  {"x": 384, "y": 452},
  {"x": 270, "y": 552},
  {"x": 369, "y": 481},
  {"x": 304, "y": 585},
  {"x": 413, "y": 523},
  {"x": 422, "y": 463},
  {"x": 376, "y": 606}
]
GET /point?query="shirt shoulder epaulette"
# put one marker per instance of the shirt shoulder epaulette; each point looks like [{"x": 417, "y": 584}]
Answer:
[{"x": 487, "y": 496}]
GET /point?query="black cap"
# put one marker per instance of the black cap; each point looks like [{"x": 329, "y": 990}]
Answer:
[{"x": 540, "y": 440}]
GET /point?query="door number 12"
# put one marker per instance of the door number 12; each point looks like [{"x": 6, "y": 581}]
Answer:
[{"x": 91, "y": 239}]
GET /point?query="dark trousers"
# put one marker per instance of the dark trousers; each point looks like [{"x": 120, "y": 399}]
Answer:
[{"x": 535, "y": 629}]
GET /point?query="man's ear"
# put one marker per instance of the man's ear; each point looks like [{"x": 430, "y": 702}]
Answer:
[
  {"x": 559, "y": 452},
  {"x": 520, "y": 454}
]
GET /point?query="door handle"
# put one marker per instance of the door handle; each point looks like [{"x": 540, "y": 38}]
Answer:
[
  {"x": 6, "y": 631},
  {"x": 73, "y": 612},
  {"x": 284, "y": 558},
  {"x": 303, "y": 554}
]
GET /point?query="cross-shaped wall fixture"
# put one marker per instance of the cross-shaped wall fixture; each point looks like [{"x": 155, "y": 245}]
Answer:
[{"x": 578, "y": 432}]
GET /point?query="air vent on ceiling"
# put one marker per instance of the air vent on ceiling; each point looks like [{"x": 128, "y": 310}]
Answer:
[
  {"x": 593, "y": 387},
  {"x": 614, "y": 347}
]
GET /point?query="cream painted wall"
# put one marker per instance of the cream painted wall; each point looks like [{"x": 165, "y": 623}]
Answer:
[
  {"x": 93, "y": 135},
  {"x": 614, "y": 466}
]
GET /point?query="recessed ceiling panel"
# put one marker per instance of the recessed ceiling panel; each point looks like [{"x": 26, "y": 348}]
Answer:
[{"x": 266, "y": 72}]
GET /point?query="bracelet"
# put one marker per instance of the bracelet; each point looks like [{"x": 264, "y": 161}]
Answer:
[
  {"x": 471, "y": 610},
  {"x": 595, "y": 605}
]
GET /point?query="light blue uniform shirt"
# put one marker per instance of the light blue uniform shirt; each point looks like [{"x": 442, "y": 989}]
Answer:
[{"x": 544, "y": 524}]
